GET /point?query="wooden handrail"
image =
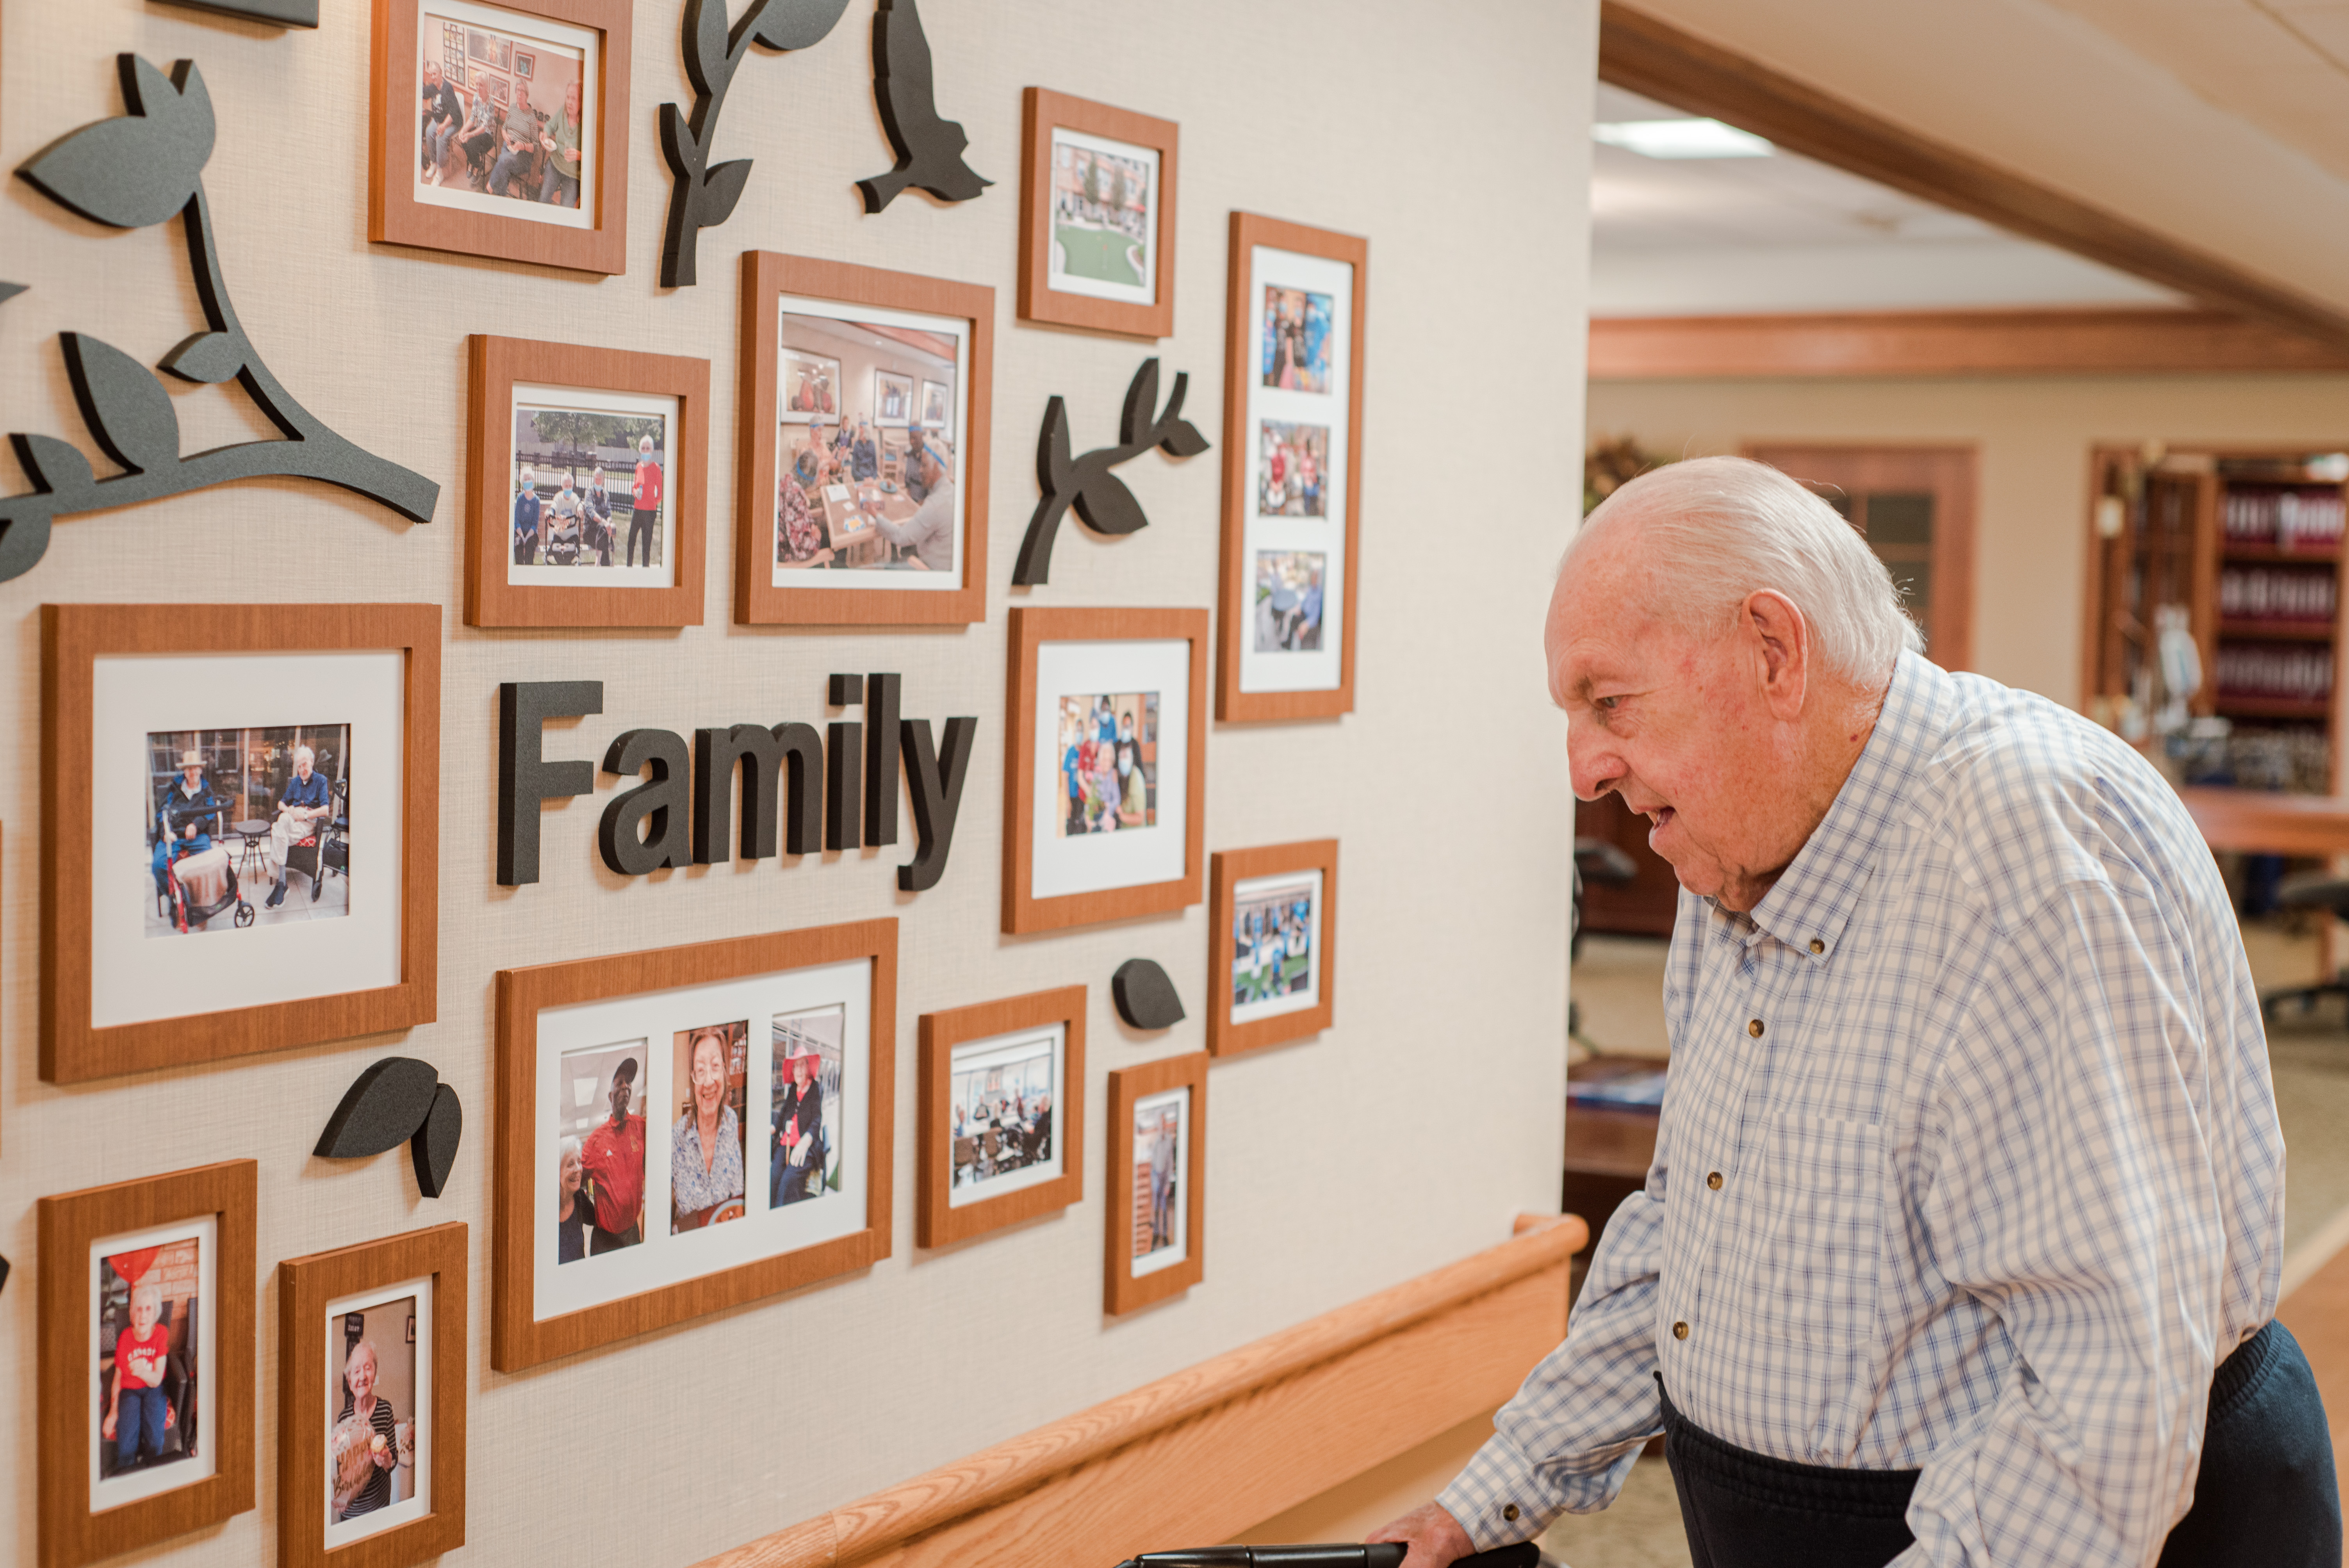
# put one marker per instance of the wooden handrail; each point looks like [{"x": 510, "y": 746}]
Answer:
[{"x": 872, "y": 1524}]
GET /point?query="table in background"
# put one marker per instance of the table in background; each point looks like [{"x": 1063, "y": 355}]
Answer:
[{"x": 2265, "y": 823}]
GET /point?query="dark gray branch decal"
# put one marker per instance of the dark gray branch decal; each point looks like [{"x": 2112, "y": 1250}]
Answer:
[
  {"x": 1100, "y": 498},
  {"x": 929, "y": 149},
  {"x": 700, "y": 196},
  {"x": 129, "y": 172}
]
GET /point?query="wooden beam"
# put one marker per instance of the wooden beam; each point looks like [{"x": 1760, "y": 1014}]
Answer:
[
  {"x": 2085, "y": 342},
  {"x": 1193, "y": 1459},
  {"x": 1658, "y": 60}
]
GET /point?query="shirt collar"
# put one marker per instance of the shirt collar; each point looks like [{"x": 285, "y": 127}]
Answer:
[{"x": 1813, "y": 900}]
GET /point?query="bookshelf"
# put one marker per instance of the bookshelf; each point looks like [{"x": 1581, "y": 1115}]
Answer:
[{"x": 2249, "y": 543}]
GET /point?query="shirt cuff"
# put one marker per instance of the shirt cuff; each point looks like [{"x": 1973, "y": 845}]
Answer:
[{"x": 1499, "y": 1498}]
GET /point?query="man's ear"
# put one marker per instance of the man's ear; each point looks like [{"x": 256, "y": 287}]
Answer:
[{"x": 1782, "y": 640}]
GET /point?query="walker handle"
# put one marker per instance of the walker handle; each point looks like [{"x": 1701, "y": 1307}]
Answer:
[{"x": 1342, "y": 1554}]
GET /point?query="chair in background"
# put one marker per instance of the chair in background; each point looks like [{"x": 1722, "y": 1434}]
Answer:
[{"x": 2321, "y": 891}]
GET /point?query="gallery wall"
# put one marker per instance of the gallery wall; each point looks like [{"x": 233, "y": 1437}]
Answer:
[
  {"x": 2034, "y": 437},
  {"x": 1403, "y": 1137}
]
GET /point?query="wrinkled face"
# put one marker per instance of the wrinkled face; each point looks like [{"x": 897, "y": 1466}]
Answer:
[
  {"x": 191, "y": 776},
  {"x": 146, "y": 1307},
  {"x": 571, "y": 1173},
  {"x": 708, "y": 1073},
  {"x": 302, "y": 767},
  {"x": 359, "y": 1373},
  {"x": 571, "y": 101},
  {"x": 803, "y": 1070},
  {"x": 431, "y": 75},
  {"x": 622, "y": 1090}
]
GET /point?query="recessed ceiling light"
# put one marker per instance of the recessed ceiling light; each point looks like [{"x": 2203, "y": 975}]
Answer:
[{"x": 1681, "y": 139}]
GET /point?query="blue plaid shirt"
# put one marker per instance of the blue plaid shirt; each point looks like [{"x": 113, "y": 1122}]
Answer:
[{"x": 1969, "y": 1161}]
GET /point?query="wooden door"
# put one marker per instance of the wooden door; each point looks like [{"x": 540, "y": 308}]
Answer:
[{"x": 1915, "y": 507}]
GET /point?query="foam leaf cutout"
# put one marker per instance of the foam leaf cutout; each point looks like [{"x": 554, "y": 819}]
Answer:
[
  {"x": 123, "y": 405},
  {"x": 209, "y": 356},
  {"x": 722, "y": 187},
  {"x": 796, "y": 23},
  {"x": 136, "y": 169}
]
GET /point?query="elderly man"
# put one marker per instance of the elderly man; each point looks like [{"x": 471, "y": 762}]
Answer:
[
  {"x": 928, "y": 538},
  {"x": 614, "y": 1159},
  {"x": 1962, "y": 1238},
  {"x": 301, "y": 807}
]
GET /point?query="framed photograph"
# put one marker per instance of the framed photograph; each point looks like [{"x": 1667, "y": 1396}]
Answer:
[
  {"x": 146, "y": 1360},
  {"x": 861, "y": 491},
  {"x": 243, "y": 808},
  {"x": 1158, "y": 1177},
  {"x": 1002, "y": 1114},
  {"x": 1272, "y": 944},
  {"x": 587, "y": 476},
  {"x": 1292, "y": 468},
  {"x": 1106, "y": 764},
  {"x": 371, "y": 1402},
  {"x": 1097, "y": 216},
  {"x": 503, "y": 129},
  {"x": 630, "y": 1194}
]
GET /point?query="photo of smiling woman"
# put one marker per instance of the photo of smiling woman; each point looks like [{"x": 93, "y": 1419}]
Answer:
[
  {"x": 364, "y": 1447},
  {"x": 706, "y": 1147}
]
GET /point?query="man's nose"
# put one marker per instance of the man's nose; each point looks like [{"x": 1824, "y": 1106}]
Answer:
[{"x": 1591, "y": 760}]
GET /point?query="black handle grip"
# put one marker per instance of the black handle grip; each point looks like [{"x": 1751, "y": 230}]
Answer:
[
  {"x": 1524, "y": 1554},
  {"x": 1348, "y": 1554}
]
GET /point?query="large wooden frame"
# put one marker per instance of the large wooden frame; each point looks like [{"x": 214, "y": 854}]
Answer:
[
  {"x": 1041, "y": 111},
  {"x": 1237, "y": 603},
  {"x": 396, "y": 217},
  {"x": 758, "y": 601},
  {"x": 1031, "y": 629},
  {"x": 73, "y": 637},
  {"x": 1121, "y": 1292},
  {"x": 516, "y": 1340},
  {"x": 305, "y": 1286},
  {"x": 937, "y": 1221},
  {"x": 496, "y": 365},
  {"x": 71, "y": 1534},
  {"x": 1226, "y": 870}
]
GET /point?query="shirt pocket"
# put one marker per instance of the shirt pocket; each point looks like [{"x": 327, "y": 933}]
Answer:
[{"x": 1816, "y": 1194}]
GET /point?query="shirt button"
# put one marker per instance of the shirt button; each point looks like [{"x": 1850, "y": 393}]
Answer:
[
  {"x": 1818, "y": 946},
  {"x": 1679, "y": 1331},
  {"x": 1714, "y": 1180},
  {"x": 1510, "y": 1513},
  {"x": 1754, "y": 1027}
]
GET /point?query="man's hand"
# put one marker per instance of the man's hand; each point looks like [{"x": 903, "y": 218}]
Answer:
[{"x": 1436, "y": 1537}]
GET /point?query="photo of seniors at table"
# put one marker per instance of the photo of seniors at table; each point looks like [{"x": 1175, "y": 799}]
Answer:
[
  {"x": 1109, "y": 762},
  {"x": 246, "y": 827},
  {"x": 1288, "y": 599},
  {"x": 589, "y": 490},
  {"x": 865, "y": 478},
  {"x": 503, "y": 121},
  {"x": 805, "y": 1147},
  {"x": 1002, "y": 1115}
]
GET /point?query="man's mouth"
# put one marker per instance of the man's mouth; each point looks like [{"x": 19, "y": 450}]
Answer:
[{"x": 1658, "y": 819}]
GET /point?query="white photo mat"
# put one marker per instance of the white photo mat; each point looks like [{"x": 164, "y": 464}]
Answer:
[
  {"x": 620, "y": 483},
  {"x": 1318, "y": 669},
  {"x": 153, "y": 1480},
  {"x": 955, "y": 327},
  {"x": 1062, "y": 281},
  {"x": 133, "y": 980},
  {"x": 330, "y": 1326},
  {"x": 561, "y": 35},
  {"x": 1134, "y": 857},
  {"x": 1305, "y": 881},
  {"x": 1019, "y": 1045},
  {"x": 1148, "y": 1109},
  {"x": 655, "y": 1018}
]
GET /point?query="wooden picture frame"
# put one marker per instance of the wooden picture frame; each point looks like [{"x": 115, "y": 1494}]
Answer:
[
  {"x": 305, "y": 1286},
  {"x": 1122, "y": 1290},
  {"x": 70, "y": 1224},
  {"x": 1042, "y": 111},
  {"x": 1243, "y": 324},
  {"x": 759, "y": 599},
  {"x": 397, "y": 215},
  {"x": 518, "y": 1338},
  {"x": 937, "y": 1221},
  {"x": 1227, "y": 869},
  {"x": 75, "y": 638},
  {"x": 496, "y": 365},
  {"x": 1032, "y": 629}
]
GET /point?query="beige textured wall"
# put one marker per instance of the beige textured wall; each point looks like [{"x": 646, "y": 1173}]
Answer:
[
  {"x": 1403, "y": 1137},
  {"x": 2034, "y": 437}
]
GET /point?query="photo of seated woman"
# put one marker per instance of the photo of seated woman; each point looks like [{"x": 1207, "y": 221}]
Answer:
[
  {"x": 148, "y": 1366},
  {"x": 803, "y": 1158},
  {"x": 706, "y": 1142},
  {"x": 239, "y": 820}
]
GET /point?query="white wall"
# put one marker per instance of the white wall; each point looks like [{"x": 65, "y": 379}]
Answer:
[
  {"x": 1403, "y": 1137},
  {"x": 2034, "y": 437}
]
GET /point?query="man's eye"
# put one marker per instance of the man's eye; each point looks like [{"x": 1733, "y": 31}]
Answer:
[{"x": 1608, "y": 704}]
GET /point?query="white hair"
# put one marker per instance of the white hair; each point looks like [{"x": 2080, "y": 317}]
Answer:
[
  {"x": 302, "y": 751},
  {"x": 567, "y": 1150},
  {"x": 1723, "y": 528},
  {"x": 352, "y": 1355}
]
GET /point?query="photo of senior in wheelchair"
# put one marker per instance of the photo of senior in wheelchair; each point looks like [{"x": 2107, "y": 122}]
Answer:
[{"x": 235, "y": 805}]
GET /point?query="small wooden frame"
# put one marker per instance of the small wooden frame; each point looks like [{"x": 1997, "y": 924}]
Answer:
[
  {"x": 1226, "y": 870},
  {"x": 1031, "y": 629},
  {"x": 306, "y": 1287},
  {"x": 759, "y": 598},
  {"x": 70, "y": 1223},
  {"x": 1244, "y": 325},
  {"x": 519, "y": 1338},
  {"x": 1124, "y": 1291},
  {"x": 937, "y": 1221},
  {"x": 1042, "y": 111},
  {"x": 75, "y": 637},
  {"x": 396, "y": 214},
  {"x": 492, "y": 599}
]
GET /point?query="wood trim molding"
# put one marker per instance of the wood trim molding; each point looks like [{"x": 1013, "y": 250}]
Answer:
[
  {"x": 1660, "y": 61},
  {"x": 1251, "y": 1432},
  {"x": 2110, "y": 341}
]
